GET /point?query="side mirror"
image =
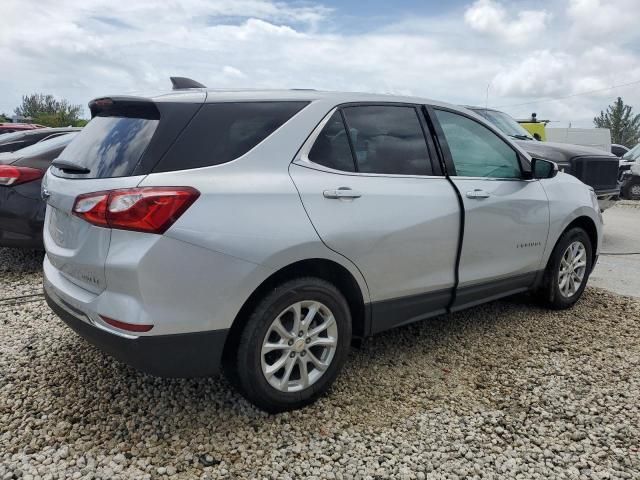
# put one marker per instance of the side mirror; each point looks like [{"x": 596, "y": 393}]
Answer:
[{"x": 543, "y": 168}]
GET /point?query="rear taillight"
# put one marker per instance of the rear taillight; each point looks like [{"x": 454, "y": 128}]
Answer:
[
  {"x": 10, "y": 175},
  {"x": 145, "y": 209}
]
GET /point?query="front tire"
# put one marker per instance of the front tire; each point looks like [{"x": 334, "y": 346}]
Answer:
[
  {"x": 631, "y": 190},
  {"x": 293, "y": 345},
  {"x": 568, "y": 270}
]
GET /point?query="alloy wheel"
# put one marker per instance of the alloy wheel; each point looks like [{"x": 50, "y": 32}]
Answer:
[
  {"x": 299, "y": 346},
  {"x": 573, "y": 267}
]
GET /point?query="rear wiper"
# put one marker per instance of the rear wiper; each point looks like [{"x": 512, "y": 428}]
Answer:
[
  {"x": 69, "y": 167},
  {"x": 521, "y": 137}
]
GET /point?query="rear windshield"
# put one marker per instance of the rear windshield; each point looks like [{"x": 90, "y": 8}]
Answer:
[
  {"x": 48, "y": 144},
  {"x": 221, "y": 132},
  {"x": 110, "y": 146}
]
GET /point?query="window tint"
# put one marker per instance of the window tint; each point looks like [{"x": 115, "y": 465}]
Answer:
[
  {"x": 221, "y": 132},
  {"x": 331, "y": 148},
  {"x": 388, "y": 139},
  {"x": 476, "y": 150},
  {"x": 110, "y": 146}
]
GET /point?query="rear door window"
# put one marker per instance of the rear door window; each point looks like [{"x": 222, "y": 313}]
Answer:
[
  {"x": 331, "y": 148},
  {"x": 221, "y": 132},
  {"x": 110, "y": 146},
  {"x": 388, "y": 139}
]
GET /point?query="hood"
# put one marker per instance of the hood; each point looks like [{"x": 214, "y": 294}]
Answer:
[{"x": 561, "y": 152}]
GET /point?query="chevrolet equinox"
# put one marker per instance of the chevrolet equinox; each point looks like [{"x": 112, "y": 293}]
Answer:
[{"x": 261, "y": 232}]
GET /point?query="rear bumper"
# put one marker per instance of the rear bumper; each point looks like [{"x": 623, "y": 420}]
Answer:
[{"x": 180, "y": 355}]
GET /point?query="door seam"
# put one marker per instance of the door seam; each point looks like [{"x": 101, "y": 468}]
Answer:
[{"x": 443, "y": 165}]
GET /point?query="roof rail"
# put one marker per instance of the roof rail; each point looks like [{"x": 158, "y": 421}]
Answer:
[{"x": 183, "y": 82}]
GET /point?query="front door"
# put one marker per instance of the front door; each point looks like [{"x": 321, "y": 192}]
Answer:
[{"x": 506, "y": 215}]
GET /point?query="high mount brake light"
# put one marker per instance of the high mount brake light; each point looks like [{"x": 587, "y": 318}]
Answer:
[
  {"x": 143, "y": 209},
  {"x": 10, "y": 175}
]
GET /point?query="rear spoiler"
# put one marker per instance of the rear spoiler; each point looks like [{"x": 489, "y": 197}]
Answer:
[{"x": 136, "y": 107}]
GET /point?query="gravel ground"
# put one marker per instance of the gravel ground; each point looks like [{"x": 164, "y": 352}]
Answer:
[{"x": 506, "y": 390}]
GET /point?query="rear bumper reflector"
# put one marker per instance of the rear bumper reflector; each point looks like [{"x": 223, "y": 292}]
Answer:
[{"x": 129, "y": 327}]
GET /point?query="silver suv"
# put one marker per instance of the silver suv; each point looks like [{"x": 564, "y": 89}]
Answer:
[{"x": 264, "y": 231}]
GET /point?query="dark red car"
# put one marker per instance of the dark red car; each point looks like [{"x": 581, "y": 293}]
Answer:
[{"x": 18, "y": 127}]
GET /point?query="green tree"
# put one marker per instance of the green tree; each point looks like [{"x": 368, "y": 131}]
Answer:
[
  {"x": 47, "y": 110},
  {"x": 622, "y": 122}
]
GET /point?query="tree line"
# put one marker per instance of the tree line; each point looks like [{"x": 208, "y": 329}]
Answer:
[
  {"x": 48, "y": 111},
  {"x": 623, "y": 124}
]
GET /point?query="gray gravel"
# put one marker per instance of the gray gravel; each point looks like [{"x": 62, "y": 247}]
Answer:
[{"x": 506, "y": 390}]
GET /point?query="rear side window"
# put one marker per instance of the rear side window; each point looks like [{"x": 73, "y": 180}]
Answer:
[
  {"x": 388, "y": 139},
  {"x": 331, "y": 148},
  {"x": 110, "y": 146},
  {"x": 221, "y": 132}
]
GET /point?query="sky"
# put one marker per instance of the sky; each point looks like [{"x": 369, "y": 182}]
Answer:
[{"x": 519, "y": 56}]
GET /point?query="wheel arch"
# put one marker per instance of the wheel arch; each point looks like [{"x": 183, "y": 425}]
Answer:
[
  {"x": 323, "y": 268},
  {"x": 588, "y": 225}
]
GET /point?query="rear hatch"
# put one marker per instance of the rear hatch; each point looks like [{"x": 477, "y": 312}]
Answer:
[{"x": 117, "y": 149}]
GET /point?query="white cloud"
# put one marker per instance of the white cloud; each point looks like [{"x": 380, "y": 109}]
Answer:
[
  {"x": 80, "y": 49},
  {"x": 596, "y": 19},
  {"x": 492, "y": 18},
  {"x": 541, "y": 73}
]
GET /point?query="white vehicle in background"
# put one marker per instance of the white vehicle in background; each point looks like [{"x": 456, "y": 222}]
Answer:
[{"x": 599, "y": 138}]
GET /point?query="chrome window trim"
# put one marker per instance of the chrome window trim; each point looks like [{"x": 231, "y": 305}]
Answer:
[
  {"x": 500, "y": 179},
  {"x": 302, "y": 158}
]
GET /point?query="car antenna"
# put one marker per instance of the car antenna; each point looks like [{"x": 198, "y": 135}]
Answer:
[{"x": 180, "y": 83}]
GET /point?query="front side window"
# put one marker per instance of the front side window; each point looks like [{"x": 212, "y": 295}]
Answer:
[
  {"x": 331, "y": 148},
  {"x": 388, "y": 140},
  {"x": 476, "y": 150}
]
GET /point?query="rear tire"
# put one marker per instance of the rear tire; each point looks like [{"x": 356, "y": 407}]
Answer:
[
  {"x": 567, "y": 271},
  {"x": 293, "y": 345}
]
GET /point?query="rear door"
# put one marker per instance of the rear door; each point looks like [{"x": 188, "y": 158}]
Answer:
[
  {"x": 105, "y": 155},
  {"x": 371, "y": 191},
  {"x": 506, "y": 215}
]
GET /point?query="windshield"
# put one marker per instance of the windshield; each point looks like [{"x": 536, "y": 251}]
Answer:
[
  {"x": 633, "y": 154},
  {"x": 46, "y": 145},
  {"x": 505, "y": 124}
]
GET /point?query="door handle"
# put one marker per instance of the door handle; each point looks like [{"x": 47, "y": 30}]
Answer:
[
  {"x": 478, "y": 193},
  {"x": 341, "y": 192}
]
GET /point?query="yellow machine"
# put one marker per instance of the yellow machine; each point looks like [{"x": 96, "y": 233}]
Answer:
[{"x": 535, "y": 127}]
